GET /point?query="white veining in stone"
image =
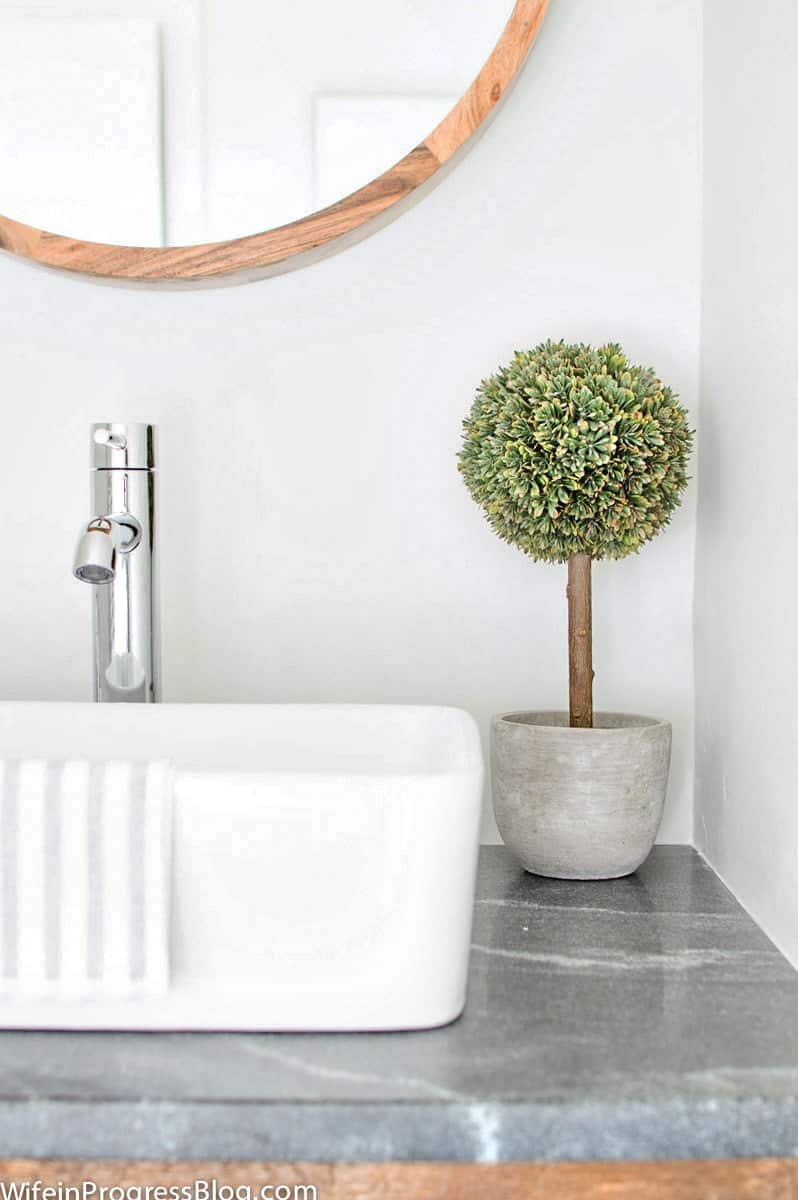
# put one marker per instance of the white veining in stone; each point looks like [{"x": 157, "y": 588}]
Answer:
[
  {"x": 537, "y": 906},
  {"x": 486, "y": 1121},
  {"x": 619, "y": 960},
  {"x": 320, "y": 1071}
]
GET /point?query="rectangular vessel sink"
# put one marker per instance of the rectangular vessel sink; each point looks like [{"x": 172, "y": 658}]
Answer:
[{"x": 323, "y": 862}]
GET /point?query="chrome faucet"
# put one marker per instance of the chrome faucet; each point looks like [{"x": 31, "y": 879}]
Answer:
[{"x": 116, "y": 555}]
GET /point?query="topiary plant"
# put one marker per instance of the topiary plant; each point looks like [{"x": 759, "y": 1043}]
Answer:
[{"x": 575, "y": 455}]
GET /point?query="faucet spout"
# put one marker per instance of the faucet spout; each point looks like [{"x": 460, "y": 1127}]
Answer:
[
  {"x": 116, "y": 555},
  {"x": 98, "y": 545}
]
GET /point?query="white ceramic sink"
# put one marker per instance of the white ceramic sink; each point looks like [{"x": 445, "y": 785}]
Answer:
[{"x": 322, "y": 869}]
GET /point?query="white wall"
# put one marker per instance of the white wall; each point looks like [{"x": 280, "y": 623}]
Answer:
[
  {"x": 317, "y": 541},
  {"x": 747, "y": 561}
]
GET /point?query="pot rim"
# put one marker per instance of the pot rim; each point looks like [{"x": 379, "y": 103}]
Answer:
[{"x": 626, "y": 722}]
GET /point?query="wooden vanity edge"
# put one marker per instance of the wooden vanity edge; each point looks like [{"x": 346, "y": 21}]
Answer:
[{"x": 730, "y": 1179}]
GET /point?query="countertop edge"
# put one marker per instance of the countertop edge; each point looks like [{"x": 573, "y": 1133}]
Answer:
[{"x": 400, "y": 1132}]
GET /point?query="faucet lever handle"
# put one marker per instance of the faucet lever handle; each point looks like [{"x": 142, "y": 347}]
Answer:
[
  {"x": 126, "y": 446},
  {"x": 106, "y": 437}
]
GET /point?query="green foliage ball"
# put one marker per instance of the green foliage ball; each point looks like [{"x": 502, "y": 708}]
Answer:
[{"x": 572, "y": 450}]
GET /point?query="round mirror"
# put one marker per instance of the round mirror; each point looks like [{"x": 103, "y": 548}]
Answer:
[{"x": 153, "y": 124}]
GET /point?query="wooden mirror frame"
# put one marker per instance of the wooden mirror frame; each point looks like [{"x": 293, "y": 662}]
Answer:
[{"x": 290, "y": 245}]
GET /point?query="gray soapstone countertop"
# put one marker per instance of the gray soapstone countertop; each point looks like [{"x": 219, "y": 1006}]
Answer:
[{"x": 642, "y": 1018}]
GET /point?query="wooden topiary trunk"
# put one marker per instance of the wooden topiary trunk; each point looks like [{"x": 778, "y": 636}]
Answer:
[{"x": 580, "y": 642}]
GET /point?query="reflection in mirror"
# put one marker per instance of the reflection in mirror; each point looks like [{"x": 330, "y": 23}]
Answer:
[{"x": 175, "y": 122}]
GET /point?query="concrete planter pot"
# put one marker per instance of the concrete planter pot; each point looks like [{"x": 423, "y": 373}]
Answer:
[{"x": 579, "y": 803}]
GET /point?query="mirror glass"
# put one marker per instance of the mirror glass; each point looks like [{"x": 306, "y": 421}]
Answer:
[{"x": 173, "y": 122}]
